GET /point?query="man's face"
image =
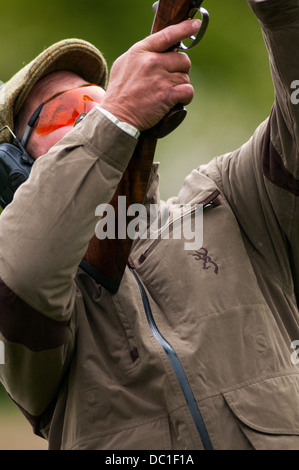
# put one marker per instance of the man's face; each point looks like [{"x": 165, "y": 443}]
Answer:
[{"x": 56, "y": 82}]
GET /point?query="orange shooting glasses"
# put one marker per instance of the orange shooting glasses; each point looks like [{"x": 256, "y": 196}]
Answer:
[{"x": 63, "y": 109}]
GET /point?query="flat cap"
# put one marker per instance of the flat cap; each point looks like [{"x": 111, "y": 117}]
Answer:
[{"x": 75, "y": 55}]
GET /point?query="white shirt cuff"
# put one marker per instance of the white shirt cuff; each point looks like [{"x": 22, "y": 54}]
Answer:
[{"x": 128, "y": 128}]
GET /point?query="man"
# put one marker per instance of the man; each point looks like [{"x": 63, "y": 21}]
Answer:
[{"x": 194, "y": 351}]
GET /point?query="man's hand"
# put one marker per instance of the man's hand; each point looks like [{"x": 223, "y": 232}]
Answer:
[{"x": 146, "y": 82}]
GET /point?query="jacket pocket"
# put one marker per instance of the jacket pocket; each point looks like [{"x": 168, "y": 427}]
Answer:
[
  {"x": 152, "y": 434},
  {"x": 268, "y": 412}
]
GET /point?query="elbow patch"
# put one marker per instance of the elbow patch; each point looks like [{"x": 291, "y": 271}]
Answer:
[{"x": 22, "y": 324}]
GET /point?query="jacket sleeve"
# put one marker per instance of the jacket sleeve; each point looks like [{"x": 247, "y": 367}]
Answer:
[
  {"x": 44, "y": 234},
  {"x": 260, "y": 180},
  {"x": 280, "y": 145}
]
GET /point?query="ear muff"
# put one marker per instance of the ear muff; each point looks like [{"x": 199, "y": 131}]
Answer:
[{"x": 15, "y": 167}]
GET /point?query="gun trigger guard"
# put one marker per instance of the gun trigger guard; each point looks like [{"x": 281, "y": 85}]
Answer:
[{"x": 204, "y": 25}]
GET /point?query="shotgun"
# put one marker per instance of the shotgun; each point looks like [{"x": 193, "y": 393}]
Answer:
[{"x": 106, "y": 259}]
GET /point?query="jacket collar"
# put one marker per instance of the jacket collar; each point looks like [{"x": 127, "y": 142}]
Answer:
[{"x": 197, "y": 188}]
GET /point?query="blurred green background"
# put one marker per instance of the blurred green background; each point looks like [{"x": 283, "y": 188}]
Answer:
[{"x": 230, "y": 74}]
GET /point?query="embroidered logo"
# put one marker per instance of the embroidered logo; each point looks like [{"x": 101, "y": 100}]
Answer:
[{"x": 207, "y": 262}]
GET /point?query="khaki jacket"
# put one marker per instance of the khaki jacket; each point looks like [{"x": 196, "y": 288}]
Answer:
[{"x": 195, "y": 349}]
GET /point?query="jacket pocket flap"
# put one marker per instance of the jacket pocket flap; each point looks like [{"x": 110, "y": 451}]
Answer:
[{"x": 269, "y": 406}]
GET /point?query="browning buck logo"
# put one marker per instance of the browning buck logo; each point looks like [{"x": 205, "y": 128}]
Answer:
[{"x": 207, "y": 262}]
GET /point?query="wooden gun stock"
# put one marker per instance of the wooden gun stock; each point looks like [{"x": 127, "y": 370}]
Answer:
[{"x": 110, "y": 256}]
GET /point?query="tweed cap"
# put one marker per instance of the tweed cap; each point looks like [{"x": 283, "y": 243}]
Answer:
[{"x": 75, "y": 55}]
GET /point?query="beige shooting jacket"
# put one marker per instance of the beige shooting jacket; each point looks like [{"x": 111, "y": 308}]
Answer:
[{"x": 196, "y": 348}]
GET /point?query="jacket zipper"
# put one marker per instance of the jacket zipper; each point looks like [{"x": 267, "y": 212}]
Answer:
[
  {"x": 208, "y": 202},
  {"x": 176, "y": 365}
]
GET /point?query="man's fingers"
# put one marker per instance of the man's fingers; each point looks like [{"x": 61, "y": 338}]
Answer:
[
  {"x": 178, "y": 79},
  {"x": 170, "y": 36},
  {"x": 183, "y": 94},
  {"x": 147, "y": 81},
  {"x": 176, "y": 62}
]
